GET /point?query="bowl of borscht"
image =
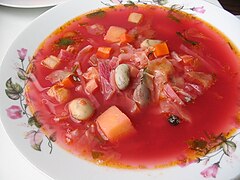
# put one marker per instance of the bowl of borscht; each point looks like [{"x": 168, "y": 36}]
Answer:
[{"x": 126, "y": 89}]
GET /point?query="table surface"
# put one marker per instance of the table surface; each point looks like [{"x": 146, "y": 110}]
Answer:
[{"x": 13, "y": 165}]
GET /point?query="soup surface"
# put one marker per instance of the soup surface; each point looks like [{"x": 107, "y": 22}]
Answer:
[{"x": 138, "y": 86}]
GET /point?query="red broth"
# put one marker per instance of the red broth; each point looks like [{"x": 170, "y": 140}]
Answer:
[{"x": 157, "y": 142}]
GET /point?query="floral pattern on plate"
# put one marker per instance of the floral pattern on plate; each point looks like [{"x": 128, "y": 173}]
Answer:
[{"x": 15, "y": 91}]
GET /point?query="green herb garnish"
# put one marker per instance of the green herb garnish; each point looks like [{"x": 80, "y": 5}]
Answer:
[
  {"x": 107, "y": 4},
  {"x": 171, "y": 15},
  {"x": 99, "y": 14},
  {"x": 230, "y": 45},
  {"x": 174, "y": 18},
  {"x": 83, "y": 24},
  {"x": 198, "y": 145},
  {"x": 65, "y": 42},
  {"x": 74, "y": 69},
  {"x": 96, "y": 154},
  {"x": 186, "y": 39}
]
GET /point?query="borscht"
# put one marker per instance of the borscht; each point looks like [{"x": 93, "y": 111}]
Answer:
[{"x": 138, "y": 86}]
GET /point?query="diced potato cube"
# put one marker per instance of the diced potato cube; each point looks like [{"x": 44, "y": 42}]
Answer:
[
  {"x": 91, "y": 73},
  {"x": 149, "y": 43},
  {"x": 51, "y": 62},
  {"x": 91, "y": 86},
  {"x": 114, "y": 34},
  {"x": 62, "y": 95},
  {"x": 115, "y": 124},
  {"x": 51, "y": 92},
  {"x": 163, "y": 66},
  {"x": 59, "y": 93},
  {"x": 135, "y": 17}
]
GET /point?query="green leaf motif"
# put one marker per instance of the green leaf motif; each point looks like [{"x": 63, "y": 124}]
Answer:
[
  {"x": 162, "y": 2},
  {"x": 25, "y": 106},
  {"x": 17, "y": 88},
  {"x": 229, "y": 147},
  {"x": 36, "y": 139},
  {"x": 9, "y": 83},
  {"x": 22, "y": 74},
  {"x": 33, "y": 121},
  {"x": 177, "y": 7},
  {"x": 13, "y": 91},
  {"x": 130, "y": 4},
  {"x": 12, "y": 94},
  {"x": 37, "y": 147}
]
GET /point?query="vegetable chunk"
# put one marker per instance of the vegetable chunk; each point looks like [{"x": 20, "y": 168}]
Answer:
[
  {"x": 161, "y": 49},
  {"x": 61, "y": 94},
  {"x": 149, "y": 43},
  {"x": 114, "y": 34},
  {"x": 68, "y": 82},
  {"x": 91, "y": 86},
  {"x": 115, "y": 124},
  {"x": 104, "y": 52},
  {"x": 51, "y": 62},
  {"x": 135, "y": 17},
  {"x": 126, "y": 38}
]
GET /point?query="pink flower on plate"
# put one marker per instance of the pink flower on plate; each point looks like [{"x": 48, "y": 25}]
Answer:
[
  {"x": 22, "y": 53},
  {"x": 36, "y": 139},
  {"x": 210, "y": 171},
  {"x": 14, "y": 112},
  {"x": 199, "y": 9}
]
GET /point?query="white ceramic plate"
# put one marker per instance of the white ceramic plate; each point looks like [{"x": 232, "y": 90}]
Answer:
[
  {"x": 61, "y": 165},
  {"x": 30, "y": 3}
]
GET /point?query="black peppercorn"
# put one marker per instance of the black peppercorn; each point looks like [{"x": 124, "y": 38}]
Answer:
[{"x": 174, "y": 120}]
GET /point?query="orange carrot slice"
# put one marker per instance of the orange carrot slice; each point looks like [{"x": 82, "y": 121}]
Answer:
[
  {"x": 126, "y": 38},
  {"x": 161, "y": 49},
  {"x": 68, "y": 82},
  {"x": 104, "y": 52}
]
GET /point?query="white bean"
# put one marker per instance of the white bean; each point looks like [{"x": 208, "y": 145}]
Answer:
[
  {"x": 81, "y": 109},
  {"x": 122, "y": 76}
]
